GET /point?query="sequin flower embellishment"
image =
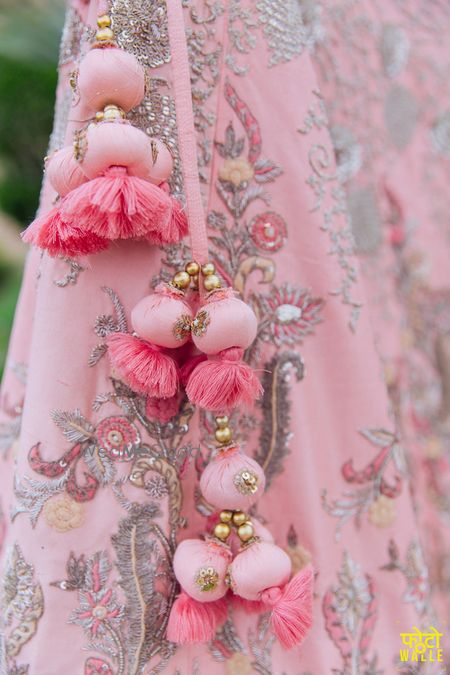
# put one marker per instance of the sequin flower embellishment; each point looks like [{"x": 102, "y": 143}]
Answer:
[
  {"x": 117, "y": 438},
  {"x": 288, "y": 314}
]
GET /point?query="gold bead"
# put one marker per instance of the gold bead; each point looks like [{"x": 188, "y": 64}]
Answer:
[
  {"x": 113, "y": 112},
  {"x": 226, "y": 516},
  {"x": 222, "y": 531},
  {"x": 103, "y": 21},
  {"x": 222, "y": 421},
  {"x": 239, "y": 518},
  {"x": 245, "y": 532},
  {"x": 192, "y": 268},
  {"x": 104, "y": 35},
  {"x": 208, "y": 269},
  {"x": 223, "y": 435},
  {"x": 211, "y": 282},
  {"x": 99, "y": 116},
  {"x": 181, "y": 280},
  {"x": 195, "y": 281}
]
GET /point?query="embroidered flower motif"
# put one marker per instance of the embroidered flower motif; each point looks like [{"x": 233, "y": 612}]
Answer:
[
  {"x": 182, "y": 327},
  {"x": 156, "y": 487},
  {"x": 239, "y": 664},
  {"x": 63, "y": 513},
  {"x": 299, "y": 556},
  {"x": 382, "y": 512},
  {"x": 200, "y": 323},
  {"x": 207, "y": 578},
  {"x": 290, "y": 314},
  {"x": 95, "y": 666},
  {"x": 97, "y": 610},
  {"x": 104, "y": 325},
  {"x": 117, "y": 438},
  {"x": 268, "y": 231},
  {"x": 246, "y": 482},
  {"x": 236, "y": 171}
]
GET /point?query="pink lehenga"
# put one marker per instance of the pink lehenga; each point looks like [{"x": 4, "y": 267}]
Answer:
[{"x": 323, "y": 148}]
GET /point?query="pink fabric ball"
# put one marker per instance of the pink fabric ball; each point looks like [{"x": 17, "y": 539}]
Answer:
[
  {"x": 259, "y": 567},
  {"x": 262, "y": 531},
  {"x": 64, "y": 172},
  {"x": 200, "y": 567},
  {"x": 160, "y": 317},
  {"x": 116, "y": 144},
  {"x": 224, "y": 483},
  {"x": 121, "y": 144},
  {"x": 110, "y": 76},
  {"x": 230, "y": 323}
]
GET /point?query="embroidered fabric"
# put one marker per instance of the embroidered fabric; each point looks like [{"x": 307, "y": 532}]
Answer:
[{"x": 308, "y": 141}]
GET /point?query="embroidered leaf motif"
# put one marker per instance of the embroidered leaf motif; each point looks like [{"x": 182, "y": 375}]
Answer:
[
  {"x": 119, "y": 309},
  {"x": 248, "y": 121},
  {"x": 350, "y": 611},
  {"x": 71, "y": 277},
  {"x": 143, "y": 557},
  {"x": 22, "y": 602},
  {"x": 275, "y": 429},
  {"x": 100, "y": 466},
  {"x": 96, "y": 354},
  {"x": 32, "y": 494},
  {"x": 266, "y": 170},
  {"x": 75, "y": 427},
  {"x": 379, "y": 437}
]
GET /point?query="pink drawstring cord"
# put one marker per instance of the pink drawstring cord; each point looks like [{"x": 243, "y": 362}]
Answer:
[{"x": 186, "y": 131}]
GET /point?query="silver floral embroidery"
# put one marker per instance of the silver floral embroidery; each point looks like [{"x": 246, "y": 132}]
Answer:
[
  {"x": 73, "y": 31},
  {"x": 71, "y": 277},
  {"x": 394, "y": 49},
  {"x": 350, "y": 611},
  {"x": 22, "y": 602},
  {"x": 284, "y": 28},
  {"x": 325, "y": 185},
  {"x": 140, "y": 27}
]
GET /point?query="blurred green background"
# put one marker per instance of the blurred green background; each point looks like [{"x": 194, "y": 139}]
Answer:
[{"x": 29, "y": 39}]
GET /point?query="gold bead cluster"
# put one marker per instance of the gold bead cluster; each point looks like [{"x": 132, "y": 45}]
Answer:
[
  {"x": 237, "y": 520},
  {"x": 104, "y": 32},
  {"x": 223, "y": 434},
  {"x": 190, "y": 275}
]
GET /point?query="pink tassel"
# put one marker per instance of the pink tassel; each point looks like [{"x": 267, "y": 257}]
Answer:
[
  {"x": 193, "y": 622},
  {"x": 292, "y": 608},
  {"x": 162, "y": 409},
  {"x": 176, "y": 226},
  {"x": 223, "y": 383},
  {"x": 143, "y": 366},
  {"x": 189, "y": 366},
  {"x": 119, "y": 206},
  {"x": 57, "y": 237}
]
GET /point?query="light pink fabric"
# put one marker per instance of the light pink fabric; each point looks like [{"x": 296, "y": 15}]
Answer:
[
  {"x": 121, "y": 76},
  {"x": 314, "y": 121}
]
